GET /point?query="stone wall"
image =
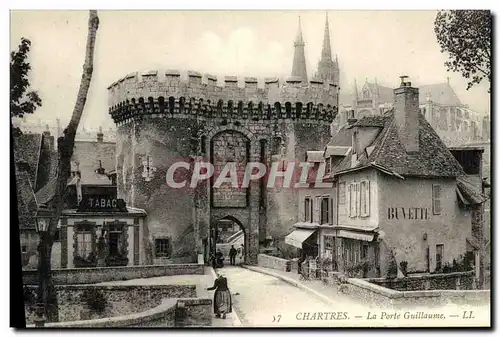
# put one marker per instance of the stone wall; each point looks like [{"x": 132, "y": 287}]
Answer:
[
  {"x": 451, "y": 281},
  {"x": 107, "y": 274},
  {"x": 375, "y": 296},
  {"x": 77, "y": 302},
  {"x": 272, "y": 262},
  {"x": 176, "y": 121},
  {"x": 170, "y": 313},
  {"x": 167, "y": 88}
]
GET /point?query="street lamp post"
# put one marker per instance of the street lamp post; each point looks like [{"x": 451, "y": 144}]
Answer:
[{"x": 43, "y": 216}]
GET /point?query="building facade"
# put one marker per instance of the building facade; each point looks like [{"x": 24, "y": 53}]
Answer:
[{"x": 402, "y": 199}]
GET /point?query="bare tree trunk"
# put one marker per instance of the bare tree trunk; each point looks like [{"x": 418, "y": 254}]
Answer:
[{"x": 65, "y": 149}]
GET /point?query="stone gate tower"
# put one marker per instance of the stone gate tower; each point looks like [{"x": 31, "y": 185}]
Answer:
[{"x": 165, "y": 117}]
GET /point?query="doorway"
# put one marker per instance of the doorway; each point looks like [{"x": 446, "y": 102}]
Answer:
[{"x": 226, "y": 233}]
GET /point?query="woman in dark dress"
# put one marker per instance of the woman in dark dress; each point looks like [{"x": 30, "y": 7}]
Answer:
[{"x": 222, "y": 297}]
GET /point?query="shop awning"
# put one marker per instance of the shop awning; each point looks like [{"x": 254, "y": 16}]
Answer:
[
  {"x": 355, "y": 235},
  {"x": 298, "y": 236}
]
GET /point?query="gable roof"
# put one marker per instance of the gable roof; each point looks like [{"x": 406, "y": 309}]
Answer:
[
  {"x": 370, "y": 121},
  {"x": 27, "y": 147},
  {"x": 26, "y": 201},
  {"x": 432, "y": 160},
  {"x": 88, "y": 154},
  {"x": 440, "y": 93}
]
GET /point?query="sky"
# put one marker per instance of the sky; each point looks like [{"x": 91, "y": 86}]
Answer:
[{"x": 368, "y": 44}]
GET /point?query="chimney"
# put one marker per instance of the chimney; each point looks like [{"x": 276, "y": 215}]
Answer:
[
  {"x": 407, "y": 114},
  {"x": 100, "y": 169},
  {"x": 100, "y": 135},
  {"x": 48, "y": 140}
]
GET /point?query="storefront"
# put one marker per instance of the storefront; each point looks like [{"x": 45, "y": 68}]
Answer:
[
  {"x": 304, "y": 237},
  {"x": 102, "y": 232}
]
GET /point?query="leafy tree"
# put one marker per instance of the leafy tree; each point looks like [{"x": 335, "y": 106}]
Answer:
[
  {"x": 22, "y": 101},
  {"x": 466, "y": 36}
]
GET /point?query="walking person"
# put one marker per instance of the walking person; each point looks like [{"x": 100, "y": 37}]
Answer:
[
  {"x": 242, "y": 248},
  {"x": 232, "y": 255},
  {"x": 222, "y": 297}
]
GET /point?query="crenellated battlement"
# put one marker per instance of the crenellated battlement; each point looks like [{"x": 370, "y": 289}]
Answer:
[{"x": 191, "y": 93}]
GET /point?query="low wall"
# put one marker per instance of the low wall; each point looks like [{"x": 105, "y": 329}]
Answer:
[
  {"x": 88, "y": 301},
  {"x": 377, "y": 296},
  {"x": 178, "y": 312},
  {"x": 106, "y": 274},
  {"x": 451, "y": 281},
  {"x": 272, "y": 262}
]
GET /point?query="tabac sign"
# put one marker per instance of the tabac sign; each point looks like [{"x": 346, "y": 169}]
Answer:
[{"x": 101, "y": 203}]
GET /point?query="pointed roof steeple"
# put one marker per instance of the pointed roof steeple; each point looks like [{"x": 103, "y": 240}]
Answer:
[
  {"x": 299, "y": 40},
  {"x": 299, "y": 58},
  {"x": 326, "y": 53}
]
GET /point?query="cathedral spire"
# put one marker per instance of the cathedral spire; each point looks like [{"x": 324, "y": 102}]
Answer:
[
  {"x": 326, "y": 53},
  {"x": 299, "y": 58}
]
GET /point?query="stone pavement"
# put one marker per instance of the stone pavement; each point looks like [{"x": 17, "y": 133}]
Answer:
[
  {"x": 324, "y": 292},
  {"x": 202, "y": 283}
]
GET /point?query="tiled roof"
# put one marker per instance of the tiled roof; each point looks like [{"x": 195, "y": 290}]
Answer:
[
  {"x": 469, "y": 191},
  {"x": 88, "y": 155},
  {"x": 370, "y": 121},
  {"x": 54, "y": 161},
  {"x": 46, "y": 193},
  {"x": 27, "y": 148},
  {"x": 26, "y": 202},
  {"x": 343, "y": 137},
  {"x": 92, "y": 179},
  {"x": 432, "y": 160}
]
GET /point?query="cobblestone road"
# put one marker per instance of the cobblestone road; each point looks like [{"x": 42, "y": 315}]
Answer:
[{"x": 265, "y": 301}]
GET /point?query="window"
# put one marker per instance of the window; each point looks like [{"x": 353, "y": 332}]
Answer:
[
  {"x": 162, "y": 247},
  {"x": 436, "y": 199},
  {"x": 57, "y": 235},
  {"x": 24, "y": 249},
  {"x": 364, "y": 251},
  {"x": 308, "y": 209},
  {"x": 352, "y": 199},
  {"x": 439, "y": 256},
  {"x": 84, "y": 244},
  {"x": 329, "y": 244},
  {"x": 325, "y": 215},
  {"x": 342, "y": 194},
  {"x": 364, "y": 196}
]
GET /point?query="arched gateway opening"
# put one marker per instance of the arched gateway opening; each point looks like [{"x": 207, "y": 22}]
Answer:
[{"x": 225, "y": 233}]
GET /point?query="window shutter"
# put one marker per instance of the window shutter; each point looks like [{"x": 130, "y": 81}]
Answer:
[
  {"x": 436, "y": 199},
  {"x": 331, "y": 211},
  {"x": 358, "y": 199},
  {"x": 349, "y": 199},
  {"x": 367, "y": 197}
]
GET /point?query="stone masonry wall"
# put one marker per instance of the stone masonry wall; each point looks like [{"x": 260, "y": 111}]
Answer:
[
  {"x": 98, "y": 301},
  {"x": 108, "y": 274},
  {"x": 163, "y": 120}
]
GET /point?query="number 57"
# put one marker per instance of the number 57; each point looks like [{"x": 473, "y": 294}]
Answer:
[{"x": 276, "y": 318}]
